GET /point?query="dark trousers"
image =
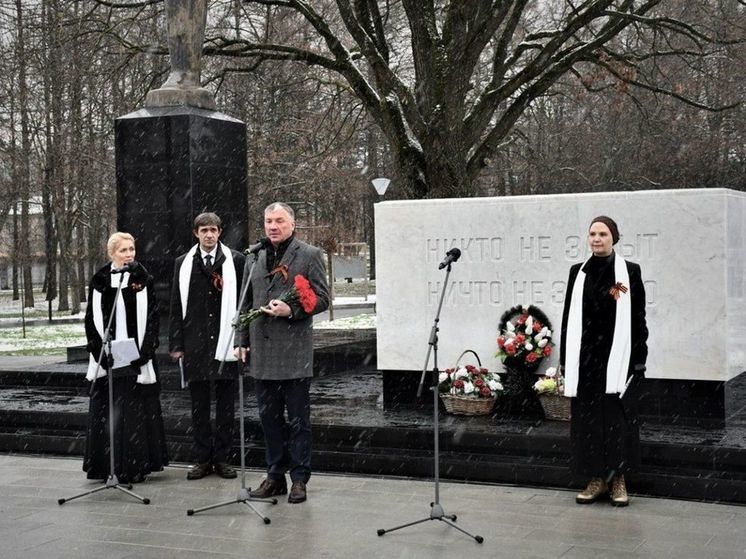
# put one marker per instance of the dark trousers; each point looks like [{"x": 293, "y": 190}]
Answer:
[
  {"x": 212, "y": 447},
  {"x": 288, "y": 443}
]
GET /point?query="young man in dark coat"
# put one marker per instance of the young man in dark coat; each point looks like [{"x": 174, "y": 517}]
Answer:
[
  {"x": 279, "y": 345},
  {"x": 204, "y": 298}
]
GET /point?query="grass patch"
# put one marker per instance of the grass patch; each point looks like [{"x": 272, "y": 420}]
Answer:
[
  {"x": 350, "y": 322},
  {"x": 41, "y": 340}
]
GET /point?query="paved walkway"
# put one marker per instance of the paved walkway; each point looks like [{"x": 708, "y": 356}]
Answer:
[{"x": 340, "y": 520}]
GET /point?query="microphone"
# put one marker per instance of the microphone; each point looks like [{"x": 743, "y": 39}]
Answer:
[
  {"x": 451, "y": 256},
  {"x": 261, "y": 245},
  {"x": 128, "y": 267}
]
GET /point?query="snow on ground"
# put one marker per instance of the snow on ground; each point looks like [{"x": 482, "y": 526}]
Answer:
[{"x": 54, "y": 339}]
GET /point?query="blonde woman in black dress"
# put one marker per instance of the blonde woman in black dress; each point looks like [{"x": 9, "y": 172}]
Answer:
[{"x": 139, "y": 438}]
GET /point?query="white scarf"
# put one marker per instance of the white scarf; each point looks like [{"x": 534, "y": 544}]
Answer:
[
  {"x": 621, "y": 346},
  {"x": 147, "y": 372},
  {"x": 228, "y": 301}
]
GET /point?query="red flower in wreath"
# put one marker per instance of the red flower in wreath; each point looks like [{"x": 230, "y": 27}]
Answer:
[{"x": 525, "y": 337}]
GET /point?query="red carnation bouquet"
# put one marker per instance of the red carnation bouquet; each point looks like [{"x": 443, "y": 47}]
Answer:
[{"x": 301, "y": 292}]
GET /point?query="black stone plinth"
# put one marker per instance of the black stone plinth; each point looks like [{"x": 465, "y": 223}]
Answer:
[
  {"x": 683, "y": 402},
  {"x": 695, "y": 402},
  {"x": 173, "y": 163}
]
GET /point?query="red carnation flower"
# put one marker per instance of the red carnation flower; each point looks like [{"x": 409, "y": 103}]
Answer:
[
  {"x": 547, "y": 350},
  {"x": 306, "y": 294},
  {"x": 485, "y": 391},
  {"x": 510, "y": 349},
  {"x": 500, "y": 342},
  {"x": 531, "y": 357},
  {"x": 537, "y": 326},
  {"x": 458, "y": 383}
]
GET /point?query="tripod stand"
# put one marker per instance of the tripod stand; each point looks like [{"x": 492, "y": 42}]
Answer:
[
  {"x": 244, "y": 493},
  {"x": 436, "y": 509},
  {"x": 111, "y": 482}
]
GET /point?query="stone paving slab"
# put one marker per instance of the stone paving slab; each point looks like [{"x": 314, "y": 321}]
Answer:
[{"x": 340, "y": 520}]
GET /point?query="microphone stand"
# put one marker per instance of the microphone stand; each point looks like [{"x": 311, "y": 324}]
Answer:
[
  {"x": 244, "y": 493},
  {"x": 111, "y": 482},
  {"x": 436, "y": 509}
]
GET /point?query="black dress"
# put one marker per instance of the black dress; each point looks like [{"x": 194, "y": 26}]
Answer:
[
  {"x": 139, "y": 435},
  {"x": 604, "y": 429}
]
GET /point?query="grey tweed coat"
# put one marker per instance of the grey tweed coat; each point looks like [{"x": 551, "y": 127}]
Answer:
[{"x": 282, "y": 348}]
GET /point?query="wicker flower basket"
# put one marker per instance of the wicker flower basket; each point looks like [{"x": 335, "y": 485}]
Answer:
[
  {"x": 556, "y": 406},
  {"x": 467, "y": 405}
]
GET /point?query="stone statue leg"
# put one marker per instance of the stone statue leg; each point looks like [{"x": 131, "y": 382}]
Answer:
[{"x": 186, "y": 21}]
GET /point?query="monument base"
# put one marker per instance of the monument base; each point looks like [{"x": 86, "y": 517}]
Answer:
[
  {"x": 684, "y": 402},
  {"x": 173, "y": 163},
  {"x": 689, "y": 402},
  {"x": 198, "y": 97}
]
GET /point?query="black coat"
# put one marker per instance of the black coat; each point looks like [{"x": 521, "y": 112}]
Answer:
[
  {"x": 196, "y": 334},
  {"x": 139, "y": 436},
  {"x": 101, "y": 282},
  {"x": 604, "y": 429}
]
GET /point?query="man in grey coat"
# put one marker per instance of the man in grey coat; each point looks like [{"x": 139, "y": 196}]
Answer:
[
  {"x": 204, "y": 297},
  {"x": 279, "y": 347}
]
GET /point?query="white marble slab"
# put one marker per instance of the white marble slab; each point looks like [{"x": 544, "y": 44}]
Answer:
[{"x": 691, "y": 245}]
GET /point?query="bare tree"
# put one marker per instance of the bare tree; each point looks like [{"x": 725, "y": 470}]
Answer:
[
  {"x": 450, "y": 80},
  {"x": 23, "y": 176}
]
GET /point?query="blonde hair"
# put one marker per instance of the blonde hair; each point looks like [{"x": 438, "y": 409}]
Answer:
[{"x": 115, "y": 239}]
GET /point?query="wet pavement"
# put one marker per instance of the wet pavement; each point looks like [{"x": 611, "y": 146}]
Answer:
[
  {"x": 354, "y": 433},
  {"x": 341, "y": 520}
]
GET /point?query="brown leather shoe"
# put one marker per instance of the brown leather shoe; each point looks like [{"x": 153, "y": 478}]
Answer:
[
  {"x": 270, "y": 488},
  {"x": 225, "y": 470},
  {"x": 199, "y": 471},
  {"x": 297, "y": 492},
  {"x": 596, "y": 488},
  {"x": 619, "y": 497}
]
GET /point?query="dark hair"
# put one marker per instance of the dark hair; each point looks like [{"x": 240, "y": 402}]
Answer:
[
  {"x": 611, "y": 224},
  {"x": 207, "y": 218}
]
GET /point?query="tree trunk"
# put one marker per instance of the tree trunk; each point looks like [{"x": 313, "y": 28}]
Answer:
[
  {"x": 25, "y": 174},
  {"x": 50, "y": 235},
  {"x": 16, "y": 252}
]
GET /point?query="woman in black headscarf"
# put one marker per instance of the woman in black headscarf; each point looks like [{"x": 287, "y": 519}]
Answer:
[
  {"x": 139, "y": 437},
  {"x": 603, "y": 350}
]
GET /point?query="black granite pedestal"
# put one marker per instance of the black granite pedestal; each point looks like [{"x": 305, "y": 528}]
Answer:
[{"x": 173, "y": 163}]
